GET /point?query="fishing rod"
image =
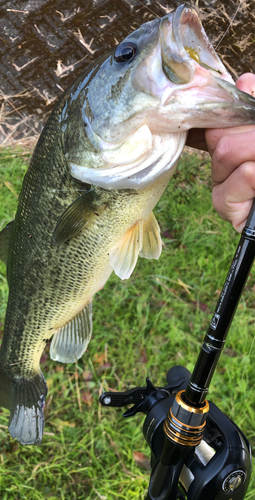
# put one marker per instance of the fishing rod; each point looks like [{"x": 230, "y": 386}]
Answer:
[{"x": 197, "y": 452}]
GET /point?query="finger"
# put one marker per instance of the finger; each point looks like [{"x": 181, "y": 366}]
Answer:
[
  {"x": 233, "y": 198},
  {"x": 231, "y": 151},
  {"x": 213, "y": 136},
  {"x": 246, "y": 83}
]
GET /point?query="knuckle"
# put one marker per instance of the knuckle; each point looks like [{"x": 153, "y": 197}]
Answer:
[
  {"x": 213, "y": 136},
  {"x": 223, "y": 150},
  {"x": 247, "y": 171}
]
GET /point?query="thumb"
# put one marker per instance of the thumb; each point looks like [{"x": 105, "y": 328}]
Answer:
[{"x": 246, "y": 83}]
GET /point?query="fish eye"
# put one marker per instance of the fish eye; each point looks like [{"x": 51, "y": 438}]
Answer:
[{"x": 125, "y": 52}]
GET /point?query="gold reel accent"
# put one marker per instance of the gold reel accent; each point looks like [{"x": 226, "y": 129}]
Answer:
[{"x": 185, "y": 423}]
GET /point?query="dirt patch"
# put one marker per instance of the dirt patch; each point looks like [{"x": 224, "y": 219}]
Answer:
[{"x": 45, "y": 45}]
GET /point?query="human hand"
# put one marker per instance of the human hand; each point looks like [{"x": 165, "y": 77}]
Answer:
[{"x": 233, "y": 165}]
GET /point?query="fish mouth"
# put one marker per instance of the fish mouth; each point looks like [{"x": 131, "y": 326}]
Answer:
[
  {"x": 185, "y": 45},
  {"x": 182, "y": 84},
  {"x": 198, "y": 82}
]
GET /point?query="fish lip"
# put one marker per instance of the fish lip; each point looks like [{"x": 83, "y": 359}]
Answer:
[
  {"x": 186, "y": 50},
  {"x": 205, "y": 71},
  {"x": 221, "y": 100},
  {"x": 235, "y": 92},
  {"x": 187, "y": 16},
  {"x": 172, "y": 34},
  {"x": 178, "y": 20}
]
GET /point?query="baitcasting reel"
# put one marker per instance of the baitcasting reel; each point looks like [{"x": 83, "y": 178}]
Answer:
[{"x": 219, "y": 467}]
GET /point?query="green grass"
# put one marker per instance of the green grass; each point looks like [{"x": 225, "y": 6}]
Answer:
[{"x": 142, "y": 327}]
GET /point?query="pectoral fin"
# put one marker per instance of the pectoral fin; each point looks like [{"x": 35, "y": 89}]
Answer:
[
  {"x": 152, "y": 243},
  {"x": 142, "y": 239},
  {"x": 124, "y": 256},
  {"x": 70, "y": 341},
  {"x": 5, "y": 236},
  {"x": 76, "y": 216}
]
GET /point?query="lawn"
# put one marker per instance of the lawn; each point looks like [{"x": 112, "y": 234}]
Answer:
[{"x": 142, "y": 327}]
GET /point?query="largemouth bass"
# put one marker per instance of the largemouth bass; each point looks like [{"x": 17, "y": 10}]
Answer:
[{"x": 101, "y": 164}]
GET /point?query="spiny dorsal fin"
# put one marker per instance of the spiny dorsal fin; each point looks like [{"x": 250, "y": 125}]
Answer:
[
  {"x": 5, "y": 236},
  {"x": 152, "y": 243},
  {"x": 71, "y": 340},
  {"x": 76, "y": 216},
  {"x": 124, "y": 256}
]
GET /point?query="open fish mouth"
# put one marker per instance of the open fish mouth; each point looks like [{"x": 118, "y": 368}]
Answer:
[
  {"x": 202, "y": 83},
  {"x": 183, "y": 39},
  {"x": 170, "y": 80}
]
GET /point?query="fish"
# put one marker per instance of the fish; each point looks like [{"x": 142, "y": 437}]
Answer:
[{"x": 102, "y": 162}]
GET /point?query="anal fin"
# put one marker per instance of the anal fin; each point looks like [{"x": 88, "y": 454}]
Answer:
[
  {"x": 124, "y": 256},
  {"x": 71, "y": 340},
  {"x": 152, "y": 243}
]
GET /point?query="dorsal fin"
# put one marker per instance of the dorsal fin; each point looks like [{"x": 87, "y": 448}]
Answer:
[
  {"x": 5, "y": 236},
  {"x": 71, "y": 340},
  {"x": 152, "y": 243}
]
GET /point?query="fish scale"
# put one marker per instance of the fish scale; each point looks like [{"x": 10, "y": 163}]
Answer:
[{"x": 102, "y": 162}]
